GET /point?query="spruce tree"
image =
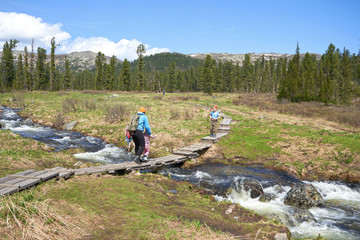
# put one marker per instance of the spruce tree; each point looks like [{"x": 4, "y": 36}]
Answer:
[
  {"x": 27, "y": 71},
  {"x": 141, "y": 78},
  {"x": 52, "y": 65},
  {"x": 99, "y": 71},
  {"x": 7, "y": 65},
  {"x": 171, "y": 77},
  {"x": 125, "y": 76},
  {"x": 67, "y": 75},
  {"x": 20, "y": 79},
  {"x": 346, "y": 84},
  {"x": 208, "y": 76},
  {"x": 41, "y": 70}
]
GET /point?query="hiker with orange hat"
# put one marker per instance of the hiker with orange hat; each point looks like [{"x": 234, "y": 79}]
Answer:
[
  {"x": 214, "y": 116},
  {"x": 138, "y": 136}
]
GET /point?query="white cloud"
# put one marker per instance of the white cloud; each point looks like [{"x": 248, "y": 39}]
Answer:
[
  {"x": 24, "y": 28},
  {"x": 122, "y": 49}
]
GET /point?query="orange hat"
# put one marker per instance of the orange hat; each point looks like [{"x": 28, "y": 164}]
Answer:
[{"x": 142, "y": 109}]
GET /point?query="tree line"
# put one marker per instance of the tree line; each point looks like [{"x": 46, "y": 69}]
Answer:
[{"x": 335, "y": 77}]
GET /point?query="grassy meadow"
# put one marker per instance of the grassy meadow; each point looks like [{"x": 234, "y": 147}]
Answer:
[{"x": 309, "y": 140}]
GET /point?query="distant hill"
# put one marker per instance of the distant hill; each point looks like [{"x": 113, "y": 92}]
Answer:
[{"x": 78, "y": 60}]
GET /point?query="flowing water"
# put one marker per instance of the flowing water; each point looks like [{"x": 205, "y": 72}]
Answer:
[
  {"x": 96, "y": 150},
  {"x": 338, "y": 218}
]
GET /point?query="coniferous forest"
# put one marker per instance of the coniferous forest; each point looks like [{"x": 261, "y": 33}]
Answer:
[{"x": 334, "y": 78}]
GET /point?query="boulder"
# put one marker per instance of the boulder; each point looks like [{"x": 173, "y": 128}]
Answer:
[
  {"x": 267, "y": 197},
  {"x": 252, "y": 186},
  {"x": 28, "y": 122},
  {"x": 2, "y": 125},
  {"x": 303, "y": 196},
  {"x": 70, "y": 126},
  {"x": 302, "y": 215}
]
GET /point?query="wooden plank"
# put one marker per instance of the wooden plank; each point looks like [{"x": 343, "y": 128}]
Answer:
[
  {"x": 25, "y": 177},
  {"x": 4, "y": 185},
  {"x": 186, "y": 153},
  {"x": 7, "y": 178},
  {"x": 8, "y": 191},
  {"x": 226, "y": 121}
]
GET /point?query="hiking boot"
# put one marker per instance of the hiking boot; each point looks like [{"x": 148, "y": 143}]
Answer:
[
  {"x": 144, "y": 158},
  {"x": 138, "y": 160}
]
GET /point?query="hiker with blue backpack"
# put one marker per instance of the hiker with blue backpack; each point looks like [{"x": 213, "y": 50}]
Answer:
[{"x": 138, "y": 124}]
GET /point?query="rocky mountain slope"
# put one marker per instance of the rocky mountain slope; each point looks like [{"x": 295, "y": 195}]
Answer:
[{"x": 239, "y": 58}]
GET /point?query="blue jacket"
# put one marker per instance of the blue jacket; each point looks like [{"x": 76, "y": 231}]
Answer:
[
  {"x": 214, "y": 115},
  {"x": 144, "y": 123}
]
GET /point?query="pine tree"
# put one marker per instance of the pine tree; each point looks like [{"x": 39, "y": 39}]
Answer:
[
  {"x": 172, "y": 77},
  {"x": 140, "y": 52},
  {"x": 32, "y": 75},
  {"x": 125, "y": 75},
  {"x": 346, "y": 84},
  {"x": 41, "y": 70},
  {"x": 67, "y": 75},
  {"x": 27, "y": 71},
  {"x": 208, "y": 75},
  {"x": 99, "y": 71},
  {"x": 8, "y": 65},
  {"x": 52, "y": 65},
  {"x": 247, "y": 74},
  {"x": 20, "y": 79}
]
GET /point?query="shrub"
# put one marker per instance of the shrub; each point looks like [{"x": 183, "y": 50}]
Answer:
[
  {"x": 59, "y": 121},
  {"x": 89, "y": 105},
  {"x": 115, "y": 113},
  {"x": 174, "y": 114},
  {"x": 71, "y": 105}
]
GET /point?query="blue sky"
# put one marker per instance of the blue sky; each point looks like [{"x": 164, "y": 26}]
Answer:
[{"x": 197, "y": 26}]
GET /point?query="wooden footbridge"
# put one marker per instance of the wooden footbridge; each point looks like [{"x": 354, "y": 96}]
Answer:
[{"x": 16, "y": 182}]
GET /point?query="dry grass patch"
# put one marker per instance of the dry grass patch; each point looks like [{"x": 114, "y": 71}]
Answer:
[
  {"x": 24, "y": 217},
  {"x": 348, "y": 115}
]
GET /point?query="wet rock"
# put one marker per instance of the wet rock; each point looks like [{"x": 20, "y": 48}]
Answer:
[
  {"x": 281, "y": 236},
  {"x": 230, "y": 209},
  {"x": 279, "y": 189},
  {"x": 28, "y": 122},
  {"x": 267, "y": 197},
  {"x": 250, "y": 185},
  {"x": 303, "y": 196},
  {"x": 2, "y": 125},
  {"x": 302, "y": 215},
  {"x": 70, "y": 126}
]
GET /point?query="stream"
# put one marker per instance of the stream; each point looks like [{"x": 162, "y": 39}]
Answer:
[{"x": 337, "y": 218}]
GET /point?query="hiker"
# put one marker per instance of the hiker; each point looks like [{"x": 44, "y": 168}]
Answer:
[
  {"x": 128, "y": 139},
  {"x": 147, "y": 146},
  {"x": 214, "y": 116},
  {"x": 138, "y": 136}
]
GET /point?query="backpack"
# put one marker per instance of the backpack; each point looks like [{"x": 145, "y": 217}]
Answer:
[{"x": 134, "y": 122}]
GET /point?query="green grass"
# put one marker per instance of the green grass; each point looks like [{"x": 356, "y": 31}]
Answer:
[{"x": 251, "y": 139}]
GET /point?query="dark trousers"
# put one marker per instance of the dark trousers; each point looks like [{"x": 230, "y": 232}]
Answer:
[{"x": 139, "y": 141}]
